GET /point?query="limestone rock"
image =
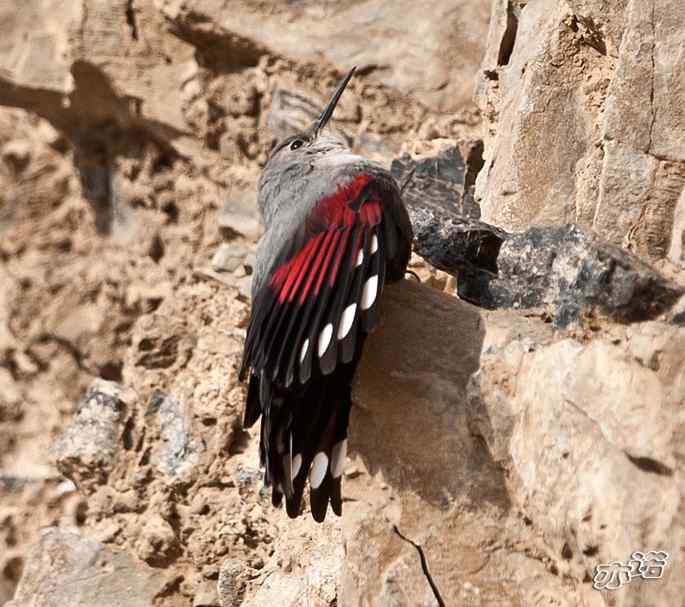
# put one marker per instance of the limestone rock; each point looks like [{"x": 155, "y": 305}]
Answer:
[
  {"x": 231, "y": 585},
  {"x": 206, "y": 596},
  {"x": 438, "y": 192},
  {"x": 565, "y": 271},
  {"x": 481, "y": 414},
  {"x": 442, "y": 181},
  {"x": 428, "y": 50},
  {"x": 85, "y": 451},
  {"x": 443, "y": 490},
  {"x": 179, "y": 451},
  {"x": 290, "y": 112},
  {"x": 229, "y": 257},
  {"x": 516, "y": 452},
  {"x": 590, "y": 440},
  {"x": 239, "y": 216},
  {"x": 315, "y": 586},
  {"x": 176, "y": 481},
  {"x": 582, "y": 126},
  {"x": 68, "y": 570},
  {"x": 519, "y": 460},
  {"x": 466, "y": 248}
]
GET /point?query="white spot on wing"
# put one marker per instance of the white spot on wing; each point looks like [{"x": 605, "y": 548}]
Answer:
[
  {"x": 360, "y": 258},
  {"x": 346, "y": 320},
  {"x": 296, "y": 465},
  {"x": 318, "y": 472},
  {"x": 338, "y": 455},
  {"x": 374, "y": 244},
  {"x": 325, "y": 339},
  {"x": 369, "y": 292},
  {"x": 305, "y": 347}
]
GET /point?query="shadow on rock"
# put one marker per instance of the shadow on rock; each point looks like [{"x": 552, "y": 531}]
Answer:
[{"x": 410, "y": 419}]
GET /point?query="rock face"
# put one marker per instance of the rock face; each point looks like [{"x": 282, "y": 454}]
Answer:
[
  {"x": 563, "y": 270},
  {"x": 525, "y": 455},
  {"x": 581, "y": 121},
  {"x": 194, "y": 79},
  {"x": 519, "y": 460},
  {"x": 171, "y": 478},
  {"x": 443, "y": 181},
  {"x": 499, "y": 452},
  {"x": 68, "y": 569},
  {"x": 426, "y": 49},
  {"x": 85, "y": 451},
  {"x": 131, "y": 137},
  {"x": 570, "y": 272},
  {"x": 437, "y": 189},
  {"x": 592, "y": 441}
]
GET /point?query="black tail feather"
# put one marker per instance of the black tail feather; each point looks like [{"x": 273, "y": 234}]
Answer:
[
  {"x": 252, "y": 407},
  {"x": 317, "y": 303},
  {"x": 300, "y": 427}
]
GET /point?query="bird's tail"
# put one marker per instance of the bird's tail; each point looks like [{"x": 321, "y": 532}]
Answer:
[{"x": 304, "y": 436}]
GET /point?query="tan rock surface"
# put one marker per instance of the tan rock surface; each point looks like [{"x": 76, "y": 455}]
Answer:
[
  {"x": 518, "y": 457},
  {"x": 592, "y": 134},
  {"x": 68, "y": 569},
  {"x": 131, "y": 136},
  {"x": 427, "y": 49},
  {"x": 182, "y": 489}
]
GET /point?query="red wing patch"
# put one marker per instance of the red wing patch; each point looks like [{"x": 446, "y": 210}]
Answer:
[
  {"x": 305, "y": 336},
  {"x": 339, "y": 209},
  {"x": 332, "y": 215},
  {"x": 325, "y": 292}
]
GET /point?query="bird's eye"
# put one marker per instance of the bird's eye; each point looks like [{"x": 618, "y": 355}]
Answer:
[{"x": 296, "y": 144}]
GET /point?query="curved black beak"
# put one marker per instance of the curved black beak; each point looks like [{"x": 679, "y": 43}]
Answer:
[{"x": 330, "y": 106}]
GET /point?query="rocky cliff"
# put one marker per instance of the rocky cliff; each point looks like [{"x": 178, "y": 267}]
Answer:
[{"x": 518, "y": 416}]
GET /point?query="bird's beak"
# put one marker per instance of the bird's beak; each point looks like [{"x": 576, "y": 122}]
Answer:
[{"x": 330, "y": 106}]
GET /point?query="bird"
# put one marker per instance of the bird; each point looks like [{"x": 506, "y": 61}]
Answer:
[{"x": 335, "y": 232}]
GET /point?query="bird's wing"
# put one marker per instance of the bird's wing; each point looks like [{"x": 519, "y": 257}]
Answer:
[
  {"x": 310, "y": 314},
  {"x": 324, "y": 286}
]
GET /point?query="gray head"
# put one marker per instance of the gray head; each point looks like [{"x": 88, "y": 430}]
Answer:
[{"x": 293, "y": 155}]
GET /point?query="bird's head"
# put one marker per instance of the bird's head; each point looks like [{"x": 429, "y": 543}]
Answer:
[{"x": 311, "y": 142}]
